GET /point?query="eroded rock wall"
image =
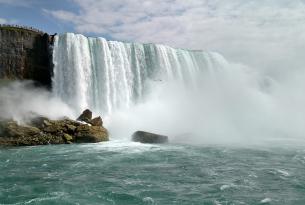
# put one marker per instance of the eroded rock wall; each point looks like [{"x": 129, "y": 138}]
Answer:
[{"x": 25, "y": 54}]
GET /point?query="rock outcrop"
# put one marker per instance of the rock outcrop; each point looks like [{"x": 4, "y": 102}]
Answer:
[
  {"x": 147, "y": 137},
  {"x": 86, "y": 116},
  {"x": 25, "y": 54},
  {"x": 43, "y": 131}
]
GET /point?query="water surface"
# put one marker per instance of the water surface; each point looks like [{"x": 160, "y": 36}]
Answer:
[{"x": 120, "y": 172}]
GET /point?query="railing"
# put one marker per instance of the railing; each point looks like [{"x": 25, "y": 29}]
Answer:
[{"x": 22, "y": 27}]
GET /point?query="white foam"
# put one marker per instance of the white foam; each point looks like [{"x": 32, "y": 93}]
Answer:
[
  {"x": 266, "y": 200},
  {"x": 123, "y": 146},
  {"x": 283, "y": 172},
  {"x": 227, "y": 186},
  {"x": 148, "y": 200}
]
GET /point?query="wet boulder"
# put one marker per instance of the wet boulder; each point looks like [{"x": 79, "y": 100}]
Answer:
[
  {"x": 12, "y": 129},
  {"x": 90, "y": 134},
  {"x": 86, "y": 116},
  {"x": 96, "y": 121},
  {"x": 147, "y": 137},
  {"x": 13, "y": 134}
]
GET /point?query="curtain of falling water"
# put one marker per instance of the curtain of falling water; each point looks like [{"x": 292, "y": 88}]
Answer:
[{"x": 108, "y": 75}]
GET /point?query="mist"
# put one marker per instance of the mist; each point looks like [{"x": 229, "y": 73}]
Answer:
[
  {"x": 22, "y": 101},
  {"x": 236, "y": 104},
  {"x": 232, "y": 105}
]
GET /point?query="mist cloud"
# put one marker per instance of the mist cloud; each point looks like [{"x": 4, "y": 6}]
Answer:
[
  {"x": 21, "y": 101},
  {"x": 235, "y": 105}
]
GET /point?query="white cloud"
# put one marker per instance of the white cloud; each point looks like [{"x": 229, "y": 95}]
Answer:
[
  {"x": 267, "y": 34},
  {"x": 3, "y": 21},
  {"x": 23, "y": 3},
  {"x": 8, "y": 21}
]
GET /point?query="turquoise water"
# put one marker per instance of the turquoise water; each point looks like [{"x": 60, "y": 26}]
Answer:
[{"x": 125, "y": 173}]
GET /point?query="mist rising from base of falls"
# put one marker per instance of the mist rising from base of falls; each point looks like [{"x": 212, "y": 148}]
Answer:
[
  {"x": 191, "y": 96},
  {"x": 22, "y": 101},
  {"x": 234, "y": 105}
]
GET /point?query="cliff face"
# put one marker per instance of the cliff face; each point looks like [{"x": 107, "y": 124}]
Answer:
[{"x": 25, "y": 54}]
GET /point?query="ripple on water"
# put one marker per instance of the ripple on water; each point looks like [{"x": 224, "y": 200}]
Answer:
[
  {"x": 265, "y": 201},
  {"x": 126, "y": 173}
]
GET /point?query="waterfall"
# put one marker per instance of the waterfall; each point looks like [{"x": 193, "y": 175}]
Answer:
[{"x": 109, "y": 75}]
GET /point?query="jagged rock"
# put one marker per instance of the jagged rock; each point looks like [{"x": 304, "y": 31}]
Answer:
[
  {"x": 60, "y": 126},
  {"x": 96, "y": 121},
  {"x": 68, "y": 137},
  {"x": 39, "y": 122},
  {"x": 71, "y": 128},
  {"x": 43, "y": 131},
  {"x": 13, "y": 134},
  {"x": 147, "y": 137},
  {"x": 53, "y": 129},
  {"x": 90, "y": 134},
  {"x": 46, "y": 123},
  {"x": 86, "y": 116},
  {"x": 12, "y": 129}
]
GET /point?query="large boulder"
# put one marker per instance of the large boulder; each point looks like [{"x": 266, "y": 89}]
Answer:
[
  {"x": 147, "y": 137},
  {"x": 86, "y": 116},
  {"x": 90, "y": 134},
  {"x": 96, "y": 121}
]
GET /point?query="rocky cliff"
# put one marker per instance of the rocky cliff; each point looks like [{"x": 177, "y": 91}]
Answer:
[{"x": 25, "y": 54}]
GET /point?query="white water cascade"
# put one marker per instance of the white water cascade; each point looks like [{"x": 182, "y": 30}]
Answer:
[
  {"x": 109, "y": 75},
  {"x": 176, "y": 92}
]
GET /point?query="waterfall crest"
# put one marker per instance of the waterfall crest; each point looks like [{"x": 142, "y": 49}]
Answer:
[{"x": 109, "y": 75}]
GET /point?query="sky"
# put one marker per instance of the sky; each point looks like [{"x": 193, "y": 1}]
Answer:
[{"x": 268, "y": 35}]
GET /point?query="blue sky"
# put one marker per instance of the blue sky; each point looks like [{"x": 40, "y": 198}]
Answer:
[
  {"x": 31, "y": 13},
  {"x": 266, "y": 34}
]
